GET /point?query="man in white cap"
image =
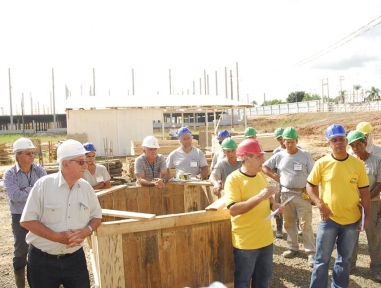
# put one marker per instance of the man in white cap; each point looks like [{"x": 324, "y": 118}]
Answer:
[
  {"x": 18, "y": 181},
  {"x": 173, "y": 132},
  {"x": 61, "y": 211},
  {"x": 150, "y": 166}
]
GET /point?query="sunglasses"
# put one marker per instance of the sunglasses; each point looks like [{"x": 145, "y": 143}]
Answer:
[
  {"x": 81, "y": 162},
  {"x": 29, "y": 153}
]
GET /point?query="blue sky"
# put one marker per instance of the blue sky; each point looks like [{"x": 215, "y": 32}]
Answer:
[{"x": 267, "y": 38}]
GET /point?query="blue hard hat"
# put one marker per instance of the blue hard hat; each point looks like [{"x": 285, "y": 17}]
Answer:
[
  {"x": 223, "y": 134},
  {"x": 89, "y": 147},
  {"x": 182, "y": 131},
  {"x": 335, "y": 130}
]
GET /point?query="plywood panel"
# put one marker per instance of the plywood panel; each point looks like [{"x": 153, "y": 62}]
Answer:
[
  {"x": 202, "y": 255},
  {"x": 131, "y": 254},
  {"x": 111, "y": 261},
  {"x": 151, "y": 277},
  {"x": 184, "y": 247},
  {"x": 167, "y": 255}
]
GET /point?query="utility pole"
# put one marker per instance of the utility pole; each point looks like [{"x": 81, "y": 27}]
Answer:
[
  {"x": 170, "y": 84},
  {"x": 93, "y": 82},
  {"x": 237, "y": 83},
  {"x": 216, "y": 85},
  {"x": 133, "y": 82},
  {"x": 341, "y": 89},
  {"x": 54, "y": 102},
  {"x": 10, "y": 98},
  {"x": 322, "y": 90}
]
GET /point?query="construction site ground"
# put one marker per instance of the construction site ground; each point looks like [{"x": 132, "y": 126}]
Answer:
[{"x": 286, "y": 272}]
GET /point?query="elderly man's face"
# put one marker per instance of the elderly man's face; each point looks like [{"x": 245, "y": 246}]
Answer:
[
  {"x": 77, "y": 166},
  {"x": 26, "y": 157},
  {"x": 151, "y": 153}
]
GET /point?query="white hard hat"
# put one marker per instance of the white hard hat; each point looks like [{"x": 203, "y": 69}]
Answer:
[
  {"x": 150, "y": 142},
  {"x": 22, "y": 144},
  {"x": 70, "y": 149}
]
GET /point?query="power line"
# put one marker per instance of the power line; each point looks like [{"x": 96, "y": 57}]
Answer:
[{"x": 339, "y": 43}]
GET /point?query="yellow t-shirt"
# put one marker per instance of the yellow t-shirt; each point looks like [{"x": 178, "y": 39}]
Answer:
[
  {"x": 340, "y": 180},
  {"x": 249, "y": 230}
]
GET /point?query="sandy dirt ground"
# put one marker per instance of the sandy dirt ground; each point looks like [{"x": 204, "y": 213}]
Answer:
[{"x": 287, "y": 272}]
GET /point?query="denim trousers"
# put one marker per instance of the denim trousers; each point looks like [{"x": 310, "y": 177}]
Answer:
[
  {"x": 253, "y": 265},
  {"x": 345, "y": 237},
  {"x": 47, "y": 272},
  {"x": 20, "y": 246}
]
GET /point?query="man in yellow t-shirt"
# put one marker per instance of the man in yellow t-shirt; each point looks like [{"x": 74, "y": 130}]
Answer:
[
  {"x": 249, "y": 200},
  {"x": 341, "y": 177}
]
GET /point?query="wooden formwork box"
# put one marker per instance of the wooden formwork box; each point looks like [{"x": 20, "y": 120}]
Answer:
[{"x": 170, "y": 247}]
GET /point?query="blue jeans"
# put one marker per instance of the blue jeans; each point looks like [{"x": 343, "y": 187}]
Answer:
[
  {"x": 21, "y": 247},
  {"x": 255, "y": 265},
  {"x": 44, "y": 271},
  {"x": 329, "y": 233}
]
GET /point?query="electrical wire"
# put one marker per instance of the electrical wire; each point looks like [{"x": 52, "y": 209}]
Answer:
[{"x": 339, "y": 43}]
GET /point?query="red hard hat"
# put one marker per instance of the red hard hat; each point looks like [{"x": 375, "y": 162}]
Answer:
[{"x": 249, "y": 146}]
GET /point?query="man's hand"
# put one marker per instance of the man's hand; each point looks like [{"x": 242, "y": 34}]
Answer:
[
  {"x": 267, "y": 192},
  {"x": 159, "y": 183},
  {"x": 325, "y": 212},
  {"x": 217, "y": 189}
]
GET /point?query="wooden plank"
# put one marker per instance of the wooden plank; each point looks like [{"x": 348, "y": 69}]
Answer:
[
  {"x": 111, "y": 261},
  {"x": 131, "y": 195},
  {"x": 155, "y": 196},
  {"x": 185, "y": 277},
  {"x": 178, "y": 199},
  {"x": 151, "y": 276},
  {"x": 215, "y": 265},
  {"x": 191, "y": 198},
  {"x": 127, "y": 214},
  {"x": 143, "y": 199},
  {"x": 163, "y": 221},
  {"x": 217, "y": 205},
  {"x": 167, "y": 200},
  {"x": 168, "y": 255},
  {"x": 202, "y": 255},
  {"x": 111, "y": 190},
  {"x": 131, "y": 251}
]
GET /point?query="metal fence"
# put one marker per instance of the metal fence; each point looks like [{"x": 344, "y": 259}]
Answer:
[{"x": 313, "y": 107}]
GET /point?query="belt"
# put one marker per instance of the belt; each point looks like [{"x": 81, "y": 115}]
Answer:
[
  {"x": 295, "y": 189},
  {"x": 38, "y": 252}
]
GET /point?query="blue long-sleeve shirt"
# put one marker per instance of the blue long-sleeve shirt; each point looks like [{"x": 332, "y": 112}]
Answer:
[{"x": 15, "y": 180}]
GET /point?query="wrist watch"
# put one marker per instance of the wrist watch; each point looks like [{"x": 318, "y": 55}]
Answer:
[{"x": 91, "y": 229}]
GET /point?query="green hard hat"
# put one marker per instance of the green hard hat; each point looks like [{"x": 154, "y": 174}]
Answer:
[
  {"x": 290, "y": 133},
  {"x": 250, "y": 132},
  {"x": 278, "y": 132},
  {"x": 229, "y": 144},
  {"x": 355, "y": 135}
]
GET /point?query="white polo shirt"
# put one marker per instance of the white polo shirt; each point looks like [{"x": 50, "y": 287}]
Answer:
[{"x": 57, "y": 207}]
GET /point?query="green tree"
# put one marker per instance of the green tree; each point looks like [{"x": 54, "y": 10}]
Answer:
[
  {"x": 341, "y": 97},
  {"x": 296, "y": 96},
  {"x": 272, "y": 102},
  {"x": 309, "y": 97},
  {"x": 373, "y": 94},
  {"x": 357, "y": 88},
  {"x": 254, "y": 103}
]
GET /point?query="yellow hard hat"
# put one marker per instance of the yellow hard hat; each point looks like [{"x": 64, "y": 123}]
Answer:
[{"x": 364, "y": 127}]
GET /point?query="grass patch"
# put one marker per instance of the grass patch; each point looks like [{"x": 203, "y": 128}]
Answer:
[{"x": 11, "y": 138}]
